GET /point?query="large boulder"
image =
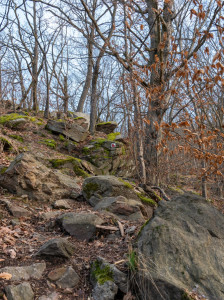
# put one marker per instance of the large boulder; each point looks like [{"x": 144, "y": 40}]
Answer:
[
  {"x": 28, "y": 176},
  {"x": 109, "y": 156},
  {"x": 107, "y": 186},
  {"x": 181, "y": 249},
  {"x": 80, "y": 225},
  {"x": 122, "y": 208},
  {"x": 82, "y": 119},
  {"x": 71, "y": 130},
  {"x": 106, "y": 127}
]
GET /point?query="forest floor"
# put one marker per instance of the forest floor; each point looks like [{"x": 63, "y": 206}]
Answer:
[{"x": 20, "y": 239}]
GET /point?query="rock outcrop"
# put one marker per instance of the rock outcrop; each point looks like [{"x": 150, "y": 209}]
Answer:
[
  {"x": 181, "y": 249},
  {"x": 72, "y": 131},
  {"x": 106, "y": 127},
  {"x": 109, "y": 156},
  {"x": 28, "y": 176}
]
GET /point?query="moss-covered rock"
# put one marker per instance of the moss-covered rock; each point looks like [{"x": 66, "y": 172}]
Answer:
[
  {"x": 76, "y": 165},
  {"x": 106, "y": 127}
]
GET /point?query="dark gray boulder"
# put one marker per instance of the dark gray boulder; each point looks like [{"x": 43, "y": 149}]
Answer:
[
  {"x": 107, "y": 186},
  {"x": 80, "y": 225},
  {"x": 56, "y": 247},
  {"x": 21, "y": 291},
  {"x": 180, "y": 248},
  {"x": 72, "y": 131}
]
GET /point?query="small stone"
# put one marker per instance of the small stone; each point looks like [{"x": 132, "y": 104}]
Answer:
[
  {"x": 15, "y": 222},
  {"x": 18, "y": 211},
  {"x": 57, "y": 247},
  {"x": 106, "y": 291},
  {"x": 61, "y": 204},
  {"x": 56, "y": 274},
  {"x": 130, "y": 230},
  {"x": 21, "y": 291},
  {"x": 49, "y": 215},
  {"x": 68, "y": 280}
]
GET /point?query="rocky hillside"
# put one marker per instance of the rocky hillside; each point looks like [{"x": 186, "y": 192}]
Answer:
[{"x": 74, "y": 225}]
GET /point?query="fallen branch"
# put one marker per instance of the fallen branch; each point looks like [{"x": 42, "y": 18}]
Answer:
[{"x": 163, "y": 194}]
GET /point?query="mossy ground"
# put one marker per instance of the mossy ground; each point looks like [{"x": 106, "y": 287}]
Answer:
[
  {"x": 49, "y": 142},
  {"x": 17, "y": 137}
]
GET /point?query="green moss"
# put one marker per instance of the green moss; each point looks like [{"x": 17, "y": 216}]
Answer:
[
  {"x": 78, "y": 118},
  {"x": 86, "y": 150},
  {"x": 123, "y": 151},
  {"x": 126, "y": 184},
  {"x": 56, "y": 163},
  {"x": 176, "y": 189},
  {"x": 143, "y": 226},
  {"x": 40, "y": 123},
  {"x": 6, "y": 118},
  {"x": 101, "y": 273},
  {"x": 112, "y": 136},
  {"x": 50, "y": 143},
  {"x": 103, "y": 123},
  {"x": 2, "y": 171},
  {"x": 146, "y": 200},
  {"x": 61, "y": 137},
  {"x": 89, "y": 188},
  {"x": 16, "y": 137},
  {"x": 76, "y": 162},
  {"x": 80, "y": 172}
]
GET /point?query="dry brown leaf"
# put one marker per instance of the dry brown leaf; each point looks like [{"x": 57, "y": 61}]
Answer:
[{"x": 5, "y": 276}]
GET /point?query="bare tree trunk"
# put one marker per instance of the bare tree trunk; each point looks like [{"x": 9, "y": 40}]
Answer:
[
  {"x": 66, "y": 96},
  {"x": 89, "y": 73},
  {"x": 35, "y": 61},
  {"x": 46, "y": 111}
]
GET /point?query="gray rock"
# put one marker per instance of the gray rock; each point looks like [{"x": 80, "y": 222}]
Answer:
[
  {"x": 69, "y": 279},
  {"x": 70, "y": 130},
  {"x": 18, "y": 211},
  {"x": 17, "y": 123},
  {"x": 82, "y": 119},
  {"x": 34, "y": 271},
  {"x": 106, "y": 291},
  {"x": 106, "y": 127},
  {"x": 28, "y": 176},
  {"x": 63, "y": 204},
  {"x": 107, "y": 186},
  {"x": 57, "y": 247},
  {"x": 123, "y": 208},
  {"x": 80, "y": 225},
  {"x": 21, "y": 291},
  {"x": 182, "y": 245},
  {"x": 51, "y": 296},
  {"x": 49, "y": 215}
]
